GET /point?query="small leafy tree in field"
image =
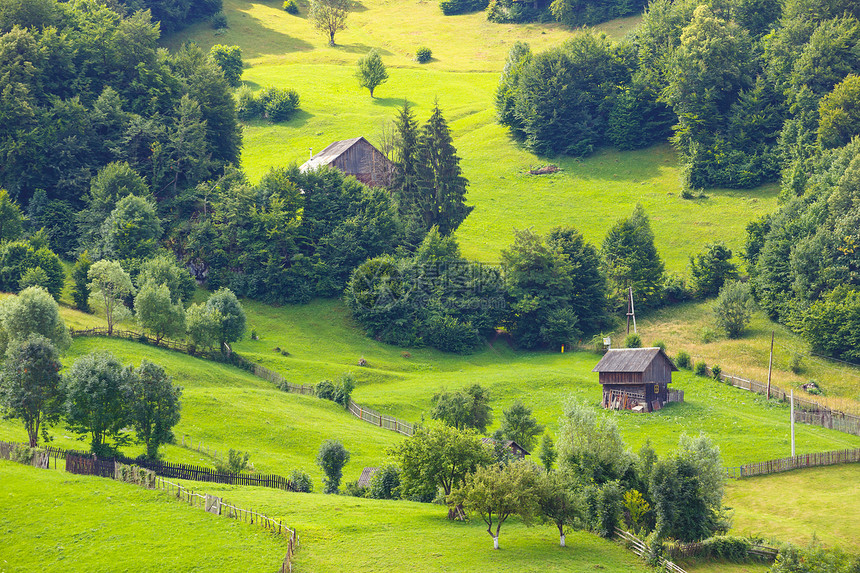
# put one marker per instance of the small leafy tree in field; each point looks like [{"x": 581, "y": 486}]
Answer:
[
  {"x": 33, "y": 311},
  {"x": 711, "y": 269},
  {"x": 154, "y": 405},
  {"x": 469, "y": 408},
  {"x": 734, "y": 308},
  {"x": 231, "y": 315},
  {"x": 157, "y": 314},
  {"x": 519, "y": 425},
  {"x": 371, "y": 71},
  {"x": 97, "y": 399},
  {"x": 236, "y": 462},
  {"x": 331, "y": 458},
  {"x": 559, "y": 504},
  {"x": 438, "y": 457},
  {"x": 385, "y": 483},
  {"x": 496, "y": 492},
  {"x": 110, "y": 285},
  {"x": 202, "y": 325},
  {"x": 30, "y": 385},
  {"x": 329, "y": 16},
  {"x": 636, "y": 507}
]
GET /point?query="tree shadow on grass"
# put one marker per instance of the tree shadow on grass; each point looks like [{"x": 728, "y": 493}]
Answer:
[
  {"x": 390, "y": 101},
  {"x": 361, "y": 49}
]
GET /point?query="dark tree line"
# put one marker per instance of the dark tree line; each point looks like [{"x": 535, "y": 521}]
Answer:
[
  {"x": 83, "y": 86},
  {"x": 747, "y": 89}
]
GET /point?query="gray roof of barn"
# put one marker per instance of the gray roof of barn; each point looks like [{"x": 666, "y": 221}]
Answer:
[
  {"x": 330, "y": 153},
  {"x": 630, "y": 359},
  {"x": 366, "y": 474}
]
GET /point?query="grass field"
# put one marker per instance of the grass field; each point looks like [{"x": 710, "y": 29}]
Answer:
[
  {"x": 469, "y": 54},
  {"x": 354, "y": 534},
  {"x": 51, "y": 521},
  {"x": 681, "y": 327},
  {"x": 823, "y": 503}
]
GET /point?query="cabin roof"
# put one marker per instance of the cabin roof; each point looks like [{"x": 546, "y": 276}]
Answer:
[
  {"x": 366, "y": 474},
  {"x": 512, "y": 445},
  {"x": 330, "y": 153},
  {"x": 631, "y": 360}
]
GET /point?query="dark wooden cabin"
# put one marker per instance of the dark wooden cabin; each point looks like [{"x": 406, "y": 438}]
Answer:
[
  {"x": 356, "y": 157},
  {"x": 516, "y": 449},
  {"x": 635, "y": 378}
]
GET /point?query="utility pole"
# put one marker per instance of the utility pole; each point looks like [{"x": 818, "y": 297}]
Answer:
[
  {"x": 792, "y": 423},
  {"x": 770, "y": 367},
  {"x": 630, "y": 310}
]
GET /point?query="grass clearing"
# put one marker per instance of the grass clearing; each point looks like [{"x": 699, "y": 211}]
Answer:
[
  {"x": 821, "y": 503},
  {"x": 54, "y": 521},
  {"x": 341, "y": 533},
  {"x": 681, "y": 327}
]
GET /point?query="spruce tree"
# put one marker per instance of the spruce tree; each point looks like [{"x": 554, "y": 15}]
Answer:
[
  {"x": 632, "y": 261},
  {"x": 441, "y": 197},
  {"x": 403, "y": 181}
]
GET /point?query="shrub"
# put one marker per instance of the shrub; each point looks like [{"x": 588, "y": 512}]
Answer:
[
  {"x": 22, "y": 454},
  {"x": 796, "y": 362},
  {"x": 343, "y": 389},
  {"x": 675, "y": 289},
  {"x": 352, "y": 489},
  {"x": 219, "y": 21},
  {"x": 449, "y": 334},
  {"x": 236, "y": 462},
  {"x": 682, "y": 360},
  {"x": 325, "y": 390},
  {"x": 291, "y": 7},
  {"x": 609, "y": 505},
  {"x": 279, "y": 104},
  {"x": 452, "y": 7},
  {"x": 708, "y": 335},
  {"x": 716, "y": 371},
  {"x": 423, "y": 55},
  {"x": 385, "y": 483},
  {"x": 659, "y": 344},
  {"x": 734, "y": 308},
  {"x": 248, "y": 105},
  {"x": 633, "y": 340},
  {"x": 701, "y": 369},
  {"x": 301, "y": 481}
]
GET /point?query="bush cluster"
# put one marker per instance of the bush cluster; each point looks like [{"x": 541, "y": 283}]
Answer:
[
  {"x": 682, "y": 360},
  {"x": 339, "y": 391},
  {"x": 291, "y": 7},
  {"x": 274, "y": 104},
  {"x": 423, "y": 55},
  {"x": 452, "y": 7}
]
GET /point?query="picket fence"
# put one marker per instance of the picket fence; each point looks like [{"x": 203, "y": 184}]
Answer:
[
  {"x": 806, "y": 412},
  {"x": 797, "y": 462},
  {"x": 640, "y": 548}
]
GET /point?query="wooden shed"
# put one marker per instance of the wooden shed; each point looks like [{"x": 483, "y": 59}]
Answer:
[
  {"x": 516, "y": 449},
  {"x": 635, "y": 378},
  {"x": 356, "y": 157}
]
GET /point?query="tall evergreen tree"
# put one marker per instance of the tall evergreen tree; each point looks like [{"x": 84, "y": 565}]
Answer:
[
  {"x": 632, "y": 260},
  {"x": 441, "y": 198},
  {"x": 404, "y": 179}
]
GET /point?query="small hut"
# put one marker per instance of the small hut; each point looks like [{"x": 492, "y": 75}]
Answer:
[
  {"x": 516, "y": 449},
  {"x": 356, "y": 157},
  {"x": 366, "y": 475},
  {"x": 635, "y": 378}
]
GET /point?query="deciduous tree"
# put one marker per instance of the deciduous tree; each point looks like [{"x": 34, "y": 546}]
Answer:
[
  {"x": 734, "y": 308},
  {"x": 33, "y": 311},
  {"x": 156, "y": 313},
  {"x": 30, "y": 385},
  {"x": 329, "y": 16},
  {"x": 519, "y": 425},
  {"x": 468, "y": 408},
  {"x": 230, "y": 314},
  {"x": 109, "y": 286},
  {"x": 154, "y": 404},
  {"x": 331, "y": 458},
  {"x": 371, "y": 72}
]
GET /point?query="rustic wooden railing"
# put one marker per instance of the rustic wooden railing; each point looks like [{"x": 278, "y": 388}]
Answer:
[
  {"x": 361, "y": 412},
  {"x": 797, "y": 462},
  {"x": 640, "y": 548}
]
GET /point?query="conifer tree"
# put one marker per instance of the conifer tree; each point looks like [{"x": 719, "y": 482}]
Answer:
[
  {"x": 404, "y": 178},
  {"x": 632, "y": 260},
  {"x": 441, "y": 189}
]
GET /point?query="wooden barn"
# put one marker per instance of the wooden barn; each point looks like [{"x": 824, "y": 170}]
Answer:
[
  {"x": 516, "y": 449},
  {"x": 635, "y": 378},
  {"x": 356, "y": 157}
]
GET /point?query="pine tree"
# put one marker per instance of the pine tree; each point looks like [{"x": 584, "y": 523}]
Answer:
[
  {"x": 632, "y": 261},
  {"x": 441, "y": 198},
  {"x": 403, "y": 181}
]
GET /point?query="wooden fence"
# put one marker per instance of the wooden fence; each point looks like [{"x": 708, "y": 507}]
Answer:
[
  {"x": 698, "y": 550},
  {"x": 88, "y": 464},
  {"x": 640, "y": 548},
  {"x": 361, "y": 412},
  {"x": 797, "y": 462},
  {"x": 813, "y": 412},
  {"x": 218, "y": 506}
]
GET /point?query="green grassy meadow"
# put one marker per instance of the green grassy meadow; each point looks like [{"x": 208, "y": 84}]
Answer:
[
  {"x": 469, "y": 53},
  {"x": 821, "y": 503},
  {"x": 51, "y": 521}
]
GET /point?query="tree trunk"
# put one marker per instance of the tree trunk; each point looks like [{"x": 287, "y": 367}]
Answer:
[
  {"x": 561, "y": 543},
  {"x": 371, "y": 92},
  {"x": 495, "y": 542},
  {"x": 331, "y": 39}
]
